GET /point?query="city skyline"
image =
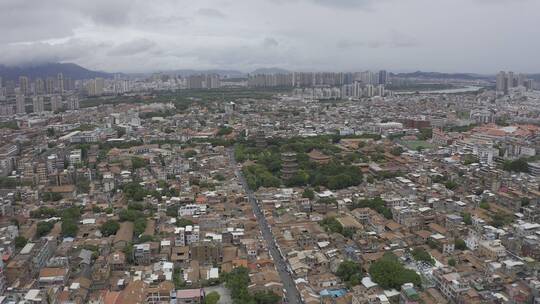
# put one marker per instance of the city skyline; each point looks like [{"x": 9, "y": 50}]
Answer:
[{"x": 297, "y": 35}]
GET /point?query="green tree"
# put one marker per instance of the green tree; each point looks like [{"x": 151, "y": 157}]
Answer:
[
  {"x": 452, "y": 262},
  {"x": 211, "y": 298},
  {"x": 484, "y": 205},
  {"x": 183, "y": 222},
  {"x": 97, "y": 209},
  {"x": 44, "y": 212},
  {"x": 451, "y": 185},
  {"x": 425, "y": 134},
  {"x": 389, "y": 273},
  {"x": 190, "y": 153},
  {"x": 128, "y": 251},
  {"x": 331, "y": 224},
  {"x": 73, "y": 212},
  {"x": 266, "y": 297},
  {"x": 9, "y": 125},
  {"x": 69, "y": 227},
  {"x": 519, "y": 165},
  {"x": 376, "y": 204},
  {"x": 219, "y": 177},
  {"x": 43, "y": 228},
  {"x": 467, "y": 219},
  {"x": 501, "y": 219},
  {"x": 134, "y": 191},
  {"x": 224, "y": 131},
  {"x": 350, "y": 272},
  {"x": 308, "y": 193},
  {"x": 129, "y": 215},
  {"x": 420, "y": 254},
  {"x": 109, "y": 228},
  {"x": 139, "y": 226},
  {"x": 469, "y": 159},
  {"x": 460, "y": 244},
  {"x": 20, "y": 242},
  {"x": 397, "y": 151},
  {"x": 51, "y": 196},
  {"x": 237, "y": 282},
  {"x": 172, "y": 211},
  {"x": 348, "y": 232},
  {"x": 137, "y": 162}
]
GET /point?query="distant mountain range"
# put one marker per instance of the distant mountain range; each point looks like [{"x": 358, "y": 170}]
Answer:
[
  {"x": 70, "y": 70},
  {"x": 188, "y": 72},
  {"x": 270, "y": 71},
  {"x": 77, "y": 72},
  {"x": 442, "y": 76},
  {"x": 227, "y": 73}
]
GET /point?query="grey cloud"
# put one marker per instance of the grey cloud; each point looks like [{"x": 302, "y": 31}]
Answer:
[
  {"x": 270, "y": 42},
  {"x": 343, "y": 4},
  {"x": 210, "y": 12},
  {"x": 128, "y": 35},
  {"x": 501, "y": 1},
  {"x": 132, "y": 47},
  {"x": 347, "y": 44},
  {"x": 110, "y": 13},
  {"x": 395, "y": 39},
  {"x": 20, "y": 23},
  {"x": 399, "y": 40},
  {"x": 25, "y": 53},
  {"x": 346, "y": 4}
]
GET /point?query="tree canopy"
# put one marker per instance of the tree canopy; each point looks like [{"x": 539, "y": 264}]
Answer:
[
  {"x": 420, "y": 254},
  {"x": 518, "y": 165},
  {"x": 350, "y": 272},
  {"x": 212, "y": 298},
  {"x": 237, "y": 281},
  {"x": 20, "y": 241},
  {"x": 43, "y": 228},
  {"x": 376, "y": 204},
  {"x": 460, "y": 244},
  {"x": 389, "y": 273},
  {"x": 110, "y": 227}
]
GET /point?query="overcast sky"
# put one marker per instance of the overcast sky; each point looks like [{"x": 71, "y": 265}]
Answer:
[{"x": 482, "y": 36}]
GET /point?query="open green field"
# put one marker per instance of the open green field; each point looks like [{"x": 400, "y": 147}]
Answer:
[{"x": 184, "y": 97}]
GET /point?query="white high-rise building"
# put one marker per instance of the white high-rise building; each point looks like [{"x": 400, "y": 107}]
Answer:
[
  {"x": 38, "y": 105},
  {"x": 380, "y": 90},
  {"x": 510, "y": 80},
  {"x": 100, "y": 85},
  {"x": 502, "y": 82},
  {"x": 369, "y": 91},
  {"x": 73, "y": 103},
  {"x": 20, "y": 104},
  {"x": 24, "y": 85},
  {"x": 56, "y": 102},
  {"x": 367, "y": 77},
  {"x": 60, "y": 79}
]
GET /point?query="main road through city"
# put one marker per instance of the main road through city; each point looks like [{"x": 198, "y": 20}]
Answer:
[{"x": 292, "y": 294}]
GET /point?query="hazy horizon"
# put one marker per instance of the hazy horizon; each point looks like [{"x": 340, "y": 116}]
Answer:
[{"x": 465, "y": 36}]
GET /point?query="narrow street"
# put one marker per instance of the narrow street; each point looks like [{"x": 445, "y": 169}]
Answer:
[{"x": 292, "y": 294}]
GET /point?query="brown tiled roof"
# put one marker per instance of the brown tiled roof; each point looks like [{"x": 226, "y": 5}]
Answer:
[{"x": 52, "y": 272}]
